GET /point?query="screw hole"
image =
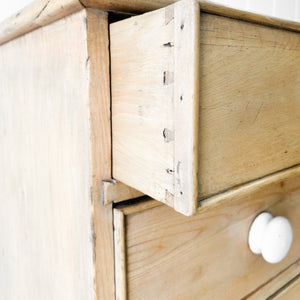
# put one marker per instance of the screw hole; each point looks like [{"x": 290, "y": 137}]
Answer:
[{"x": 182, "y": 26}]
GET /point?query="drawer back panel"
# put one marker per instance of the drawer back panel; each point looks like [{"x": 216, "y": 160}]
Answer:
[{"x": 249, "y": 117}]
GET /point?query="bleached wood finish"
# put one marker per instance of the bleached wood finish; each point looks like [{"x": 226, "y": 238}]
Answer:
[
  {"x": 43, "y": 12},
  {"x": 62, "y": 158},
  {"x": 150, "y": 151},
  {"x": 276, "y": 283},
  {"x": 289, "y": 292},
  {"x": 116, "y": 191},
  {"x": 97, "y": 65},
  {"x": 249, "y": 102},
  {"x": 132, "y": 120},
  {"x": 206, "y": 5},
  {"x": 186, "y": 105},
  {"x": 247, "y": 189},
  {"x": 46, "y": 238},
  {"x": 35, "y": 15},
  {"x": 120, "y": 255},
  {"x": 207, "y": 255},
  {"x": 247, "y": 90},
  {"x": 141, "y": 205}
]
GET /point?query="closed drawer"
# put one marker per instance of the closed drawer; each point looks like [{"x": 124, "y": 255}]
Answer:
[
  {"x": 277, "y": 284},
  {"x": 170, "y": 256},
  {"x": 202, "y": 103},
  {"x": 289, "y": 292}
]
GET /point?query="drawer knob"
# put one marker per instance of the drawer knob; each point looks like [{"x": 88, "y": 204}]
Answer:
[{"x": 271, "y": 237}]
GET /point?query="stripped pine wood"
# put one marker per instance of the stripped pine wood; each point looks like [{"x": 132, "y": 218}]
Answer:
[
  {"x": 61, "y": 237},
  {"x": 139, "y": 206},
  {"x": 151, "y": 152},
  {"x": 271, "y": 287},
  {"x": 97, "y": 64},
  {"x": 132, "y": 119},
  {"x": 288, "y": 292},
  {"x": 206, "y": 255},
  {"x": 120, "y": 255},
  {"x": 37, "y": 14},
  {"x": 199, "y": 129},
  {"x": 116, "y": 191},
  {"x": 247, "y": 189},
  {"x": 43, "y": 12},
  {"x": 186, "y": 105},
  {"x": 250, "y": 116},
  {"x": 210, "y": 6},
  {"x": 45, "y": 209},
  {"x": 43, "y": 92}
]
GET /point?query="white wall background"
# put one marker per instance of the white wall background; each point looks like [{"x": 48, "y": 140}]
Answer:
[
  {"x": 284, "y": 9},
  {"x": 8, "y": 8}
]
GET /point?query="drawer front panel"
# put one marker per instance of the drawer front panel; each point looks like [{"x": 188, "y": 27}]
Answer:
[
  {"x": 170, "y": 256},
  {"x": 290, "y": 291},
  {"x": 202, "y": 103}
]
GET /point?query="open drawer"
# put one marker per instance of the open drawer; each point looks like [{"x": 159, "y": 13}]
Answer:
[{"x": 201, "y": 103}]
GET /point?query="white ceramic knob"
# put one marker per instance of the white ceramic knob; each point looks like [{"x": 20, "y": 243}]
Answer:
[{"x": 270, "y": 237}]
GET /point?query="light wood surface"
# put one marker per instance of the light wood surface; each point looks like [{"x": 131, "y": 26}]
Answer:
[
  {"x": 43, "y": 12},
  {"x": 248, "y": 118},
  {"x": 120, "y": 255},
  {"x": 50, "y": 118},
  {"x": 186, "y": 105},
  {"x": 46, "y": 238},
  {"x": 249, "y": 102},
  {"x": 170, "y": 256},
  {"x": 39, "y": 13},
  {"x": 116, "y": 191},
  {"x": 98, "y": 80},
  {"x": 143, "y": 151},
  {"x": 151, "y": 86},
  {"x": 289, "y": 292},
  {"x": 247, "y": 189},
  {"x": 276, "y": 283},
  {"x": 139, "y": 206}
]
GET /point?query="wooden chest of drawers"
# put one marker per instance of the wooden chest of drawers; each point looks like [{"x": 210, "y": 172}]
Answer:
[{"x": 192, "y": 104}]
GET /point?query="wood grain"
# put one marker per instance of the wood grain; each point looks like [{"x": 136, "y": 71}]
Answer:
[
  {"x": 170, "y": 256},
  {"x": 43, "y": 12},
  {"x": 46, "y": 238},
  {"x": 116, "y": 191},
  {"x": 37, "y": 14},
  {"x": 143, "y": 145},
  {"x": 248, "y": 90},
  {"x": 50, "y": 118},
  {"x": 186, "y": 105},
  {"x": 120, "y": 255},
  {"x": 152, "y": 152},
  {"x": 276, "y": 283},
  {"x": 213, "y": 7},
  {"x": 139, "y": 206},
  {"x": 249, "y": 102},
  {"x": 247, "y": 189},
  {"x": 97, "y": 65},
  {"x": 288, "y": 292}
]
